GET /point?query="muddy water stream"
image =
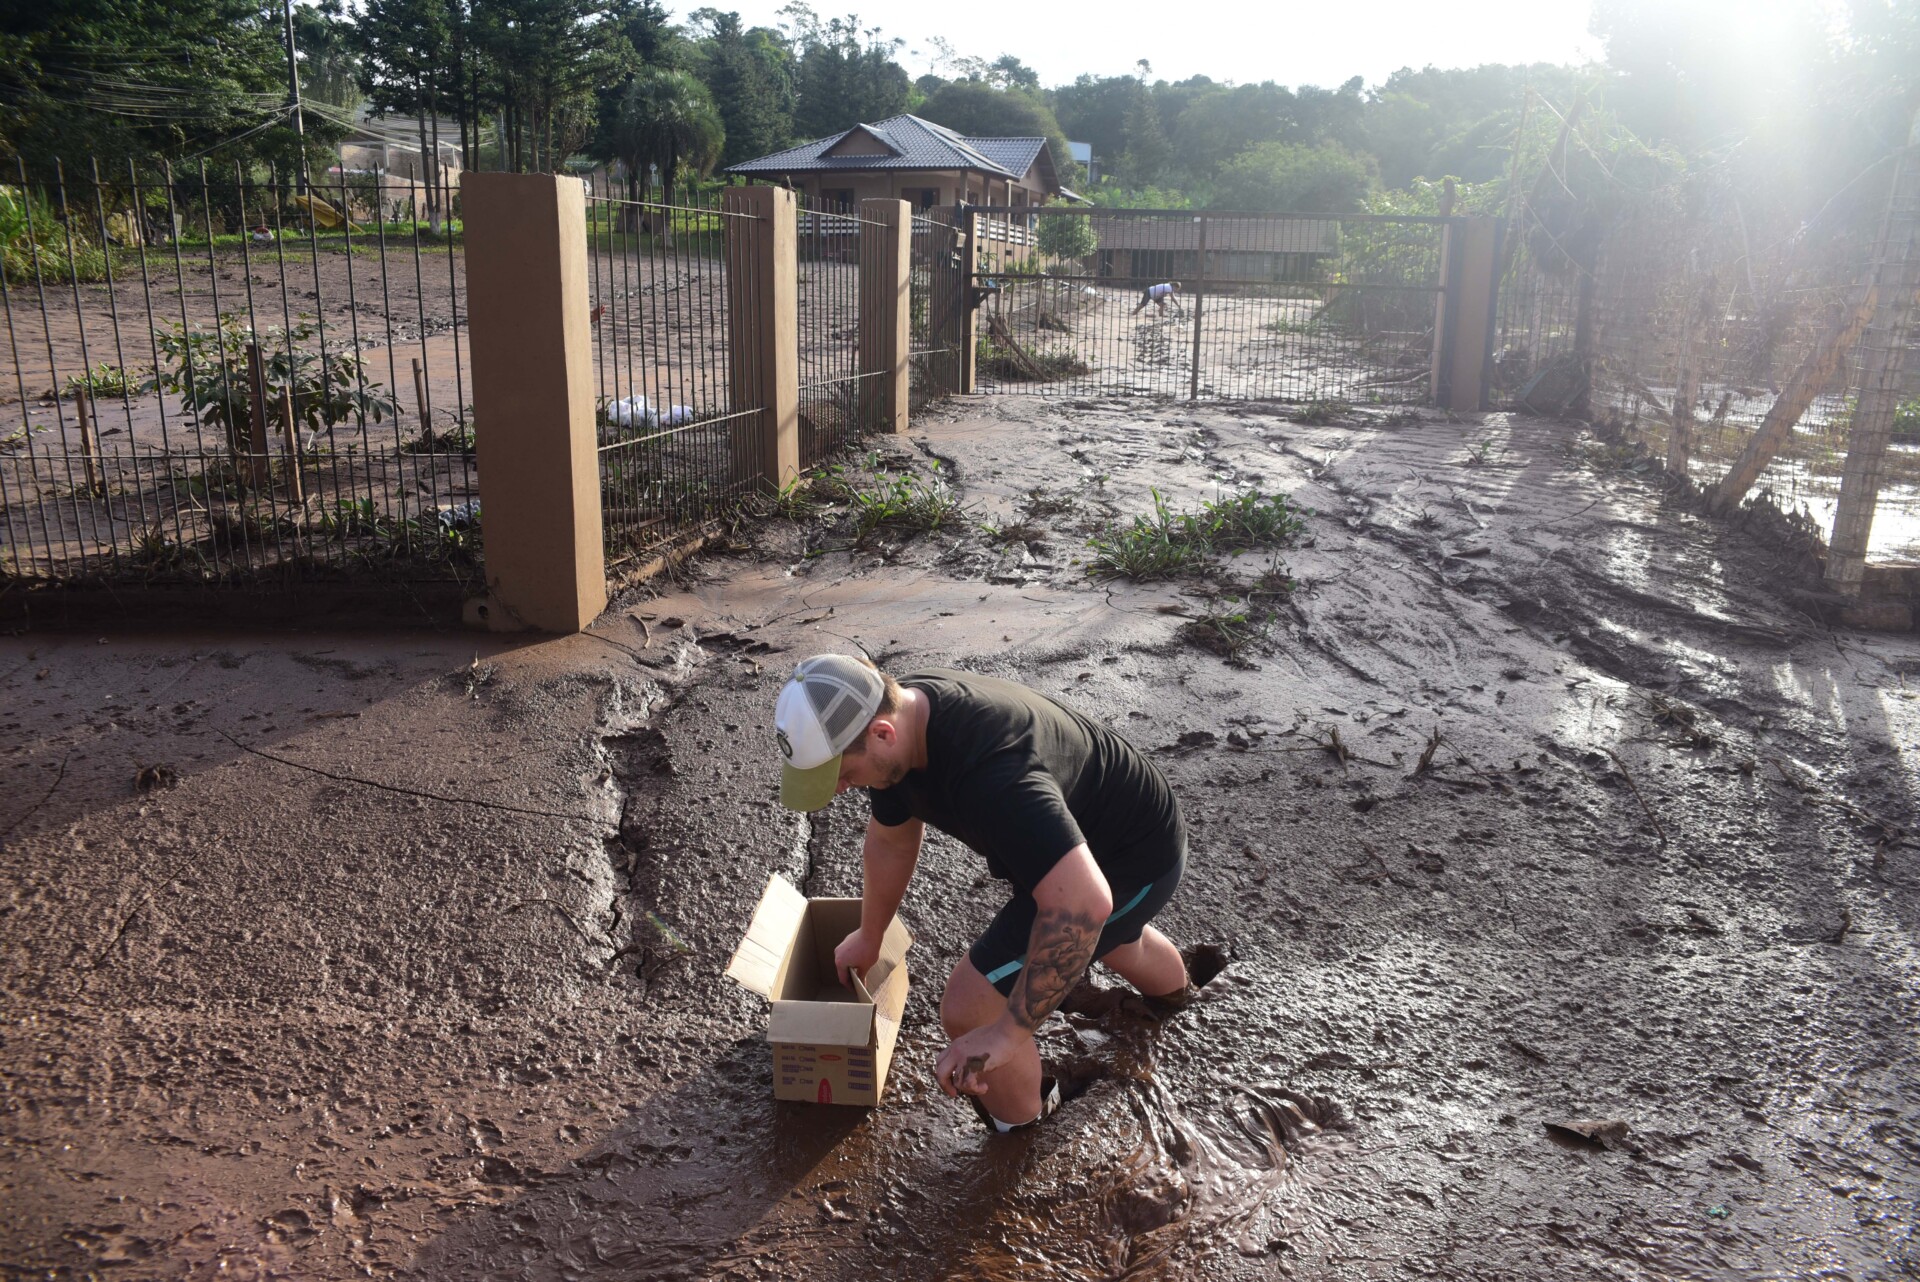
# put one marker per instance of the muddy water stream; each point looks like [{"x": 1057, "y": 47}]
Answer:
[{"x": 418, "y": 970}]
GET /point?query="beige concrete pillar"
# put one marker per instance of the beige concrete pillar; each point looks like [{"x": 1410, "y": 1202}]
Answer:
[
  {"x": 537, "y": 454},
  {"x": 1473, "y": 294},
  {"x": 886, "y": 268},
  {"x": 966, "y": 331},
  {"x": 763, "y": 332}
]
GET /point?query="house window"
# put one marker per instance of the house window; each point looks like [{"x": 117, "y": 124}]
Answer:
[
  {"x": 836, "y": 197},
  {"x": 921, "y": 198}
]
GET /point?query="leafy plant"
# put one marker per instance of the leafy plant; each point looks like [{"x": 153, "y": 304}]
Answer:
[
  {"x": 1168, "y": 542},
  {"x": 1484, "y": 453},
  {"x": 34, "y": 241},
  {"x": 102, "y": 380},
  {"x": 1318, "y": 413},
  {"x": 1230, "y": 630},
  {"x": 907, "y": 502},
  {"x": 208, "y": 369}
]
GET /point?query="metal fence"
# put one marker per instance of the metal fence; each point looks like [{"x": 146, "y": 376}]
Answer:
[
  {"x": 675, "y": 396},
  {"x": 1674, "y": 294},
  {"x": 937, "y": 288},
  {"x": 837, "y": 404},
  {"x": 232, "y": 376},
  {"x": 1208, "y": 305}
]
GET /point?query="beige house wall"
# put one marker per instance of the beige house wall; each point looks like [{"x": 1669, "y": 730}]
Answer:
[{"x": 954, "y": 186}]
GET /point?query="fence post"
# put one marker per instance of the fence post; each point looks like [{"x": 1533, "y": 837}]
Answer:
[
  {"x": 762, "y": 228},
  {"x": 536, "y": 445},
  {"x": 1884, "y": 347},
  {"x": 886, "y": 269},
  {"x": 1199, "y": 301},
  {"x": 1472, "y": 283}
]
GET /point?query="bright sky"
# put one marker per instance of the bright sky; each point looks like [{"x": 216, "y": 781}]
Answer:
[{"x": 1245, "y": 41}]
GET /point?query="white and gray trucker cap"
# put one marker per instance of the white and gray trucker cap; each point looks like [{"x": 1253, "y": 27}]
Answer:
[{"x": 823, "y": 708}]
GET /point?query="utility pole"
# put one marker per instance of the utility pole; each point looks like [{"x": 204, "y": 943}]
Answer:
[{"x": 293, "y": 92}]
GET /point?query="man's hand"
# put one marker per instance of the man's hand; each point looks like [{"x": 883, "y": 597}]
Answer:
[
  {"x": 963, "y": 1067},
  {"x": 856, "y": 952}
]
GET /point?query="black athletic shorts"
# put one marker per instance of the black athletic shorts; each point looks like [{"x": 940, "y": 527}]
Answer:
[{"x": 1001, "y": 950}]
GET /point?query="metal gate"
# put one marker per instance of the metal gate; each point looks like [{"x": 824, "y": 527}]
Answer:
[
  {"x": 1203, "y": 305},
  {"x": 937, "y": 301}
]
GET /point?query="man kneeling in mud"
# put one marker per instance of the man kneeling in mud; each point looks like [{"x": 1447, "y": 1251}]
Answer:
[{"x": 1082, "y": 825}]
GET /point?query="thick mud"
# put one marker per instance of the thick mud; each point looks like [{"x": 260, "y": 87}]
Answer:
[{"x": 415, "y": 967}]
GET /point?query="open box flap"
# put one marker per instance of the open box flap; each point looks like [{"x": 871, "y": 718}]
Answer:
[
  {"x": 756, "y": 962},
  {"x": 889, "y": 992},
  {"x": 821, "y": 1023}
]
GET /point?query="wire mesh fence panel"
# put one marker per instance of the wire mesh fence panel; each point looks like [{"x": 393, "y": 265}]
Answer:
[
  {"x": 838, "y": 404},
  {"x": 232, "y": 377},
  {"x": 1678, "y": 304},
  {"x": 936, "y": 291},
  {"x": 1208, "y": 305},
  {"x": 676, "y": 405}
]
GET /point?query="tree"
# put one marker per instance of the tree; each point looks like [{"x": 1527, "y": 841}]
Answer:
[
  {"x": 1283, "y": 176},
  {"x": 749, "y": 74},
  {"x": 666, "y": 121},
  {"x": 978, "y": 110},
  {"x": 546, "y": 57},
  {"x": 843, "y": 74},
  {"x": 1066, "y": 237},
  {"x": 134, "y": 78},
  {"x": 1226, "y": 120}
]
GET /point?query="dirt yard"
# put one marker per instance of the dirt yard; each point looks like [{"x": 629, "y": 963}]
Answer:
[{"x": 409, "y": 962}]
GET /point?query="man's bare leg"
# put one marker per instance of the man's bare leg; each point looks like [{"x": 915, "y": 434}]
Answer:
[
  {"x": 970, "y": 1002},
  {"x": 1150, "y": 963}
]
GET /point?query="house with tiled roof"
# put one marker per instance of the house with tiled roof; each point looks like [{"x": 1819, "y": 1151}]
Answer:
[{"x": 907, "y": 158}]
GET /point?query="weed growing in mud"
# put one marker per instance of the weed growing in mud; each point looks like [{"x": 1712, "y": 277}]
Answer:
[
  {"x": 1167, "y": 542},
  {"x": 1040, "y": 503},
  {"x": 1319, "y": 413},
  {"x": 1230, "y": 629},
  {"x": 906, "y": 502},
  {"x": 103, "y": 380},
  {"x": 797, "y": 500},
  {"x": 1484, "y": 453}
]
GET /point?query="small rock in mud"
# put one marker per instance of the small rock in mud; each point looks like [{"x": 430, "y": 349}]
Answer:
[{"x": 1593, "y": 1133}]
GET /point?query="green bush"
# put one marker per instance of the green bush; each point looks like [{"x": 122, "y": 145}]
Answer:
[
  {"x": 34, "y": 241},
  {"x": 208, "y": 369}
]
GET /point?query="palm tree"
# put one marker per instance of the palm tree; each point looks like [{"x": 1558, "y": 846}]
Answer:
[{"x": 667, "y": 120}]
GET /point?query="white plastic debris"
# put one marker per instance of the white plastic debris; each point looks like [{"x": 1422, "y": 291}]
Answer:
[
  {"x": 634, "y": 411},
  {"x": 628, "y": 411}
]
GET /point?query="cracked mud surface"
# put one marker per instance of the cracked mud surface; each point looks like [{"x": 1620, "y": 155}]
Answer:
[{"x": 413, "y": 966}]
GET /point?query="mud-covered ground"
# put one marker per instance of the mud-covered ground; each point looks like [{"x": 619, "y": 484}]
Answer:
[{"x": 411, "y": 965}]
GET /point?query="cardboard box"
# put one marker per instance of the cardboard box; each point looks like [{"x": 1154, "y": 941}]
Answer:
[{"x": 831, "y": 1045}]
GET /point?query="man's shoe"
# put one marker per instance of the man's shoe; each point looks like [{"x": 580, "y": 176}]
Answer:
[{"x": 1049, "y": 1101}]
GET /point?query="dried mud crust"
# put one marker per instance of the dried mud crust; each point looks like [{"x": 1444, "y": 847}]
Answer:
[{"x": 1534, "y": 808}]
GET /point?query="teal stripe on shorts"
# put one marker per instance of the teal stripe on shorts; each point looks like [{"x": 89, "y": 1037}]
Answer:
[{"x": 999, "y": 973}]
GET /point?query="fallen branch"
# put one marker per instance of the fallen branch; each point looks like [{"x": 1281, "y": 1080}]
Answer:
[
  {"x": 1627, "y": 775},
  {"x": 407, "y": 792},
  {"x": 34, "y": 809}
]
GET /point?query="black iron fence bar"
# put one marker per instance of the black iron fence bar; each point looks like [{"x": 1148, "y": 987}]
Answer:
[
  {"x": 1217, "y": 282},
  {"x": 1195, "y": 215},
  {"x": 612, "y": 447}
]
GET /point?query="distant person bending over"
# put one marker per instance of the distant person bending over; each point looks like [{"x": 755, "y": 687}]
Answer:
[
  {"x": 1160, "y": 296},
  {"x": 1083, "y": 826}
]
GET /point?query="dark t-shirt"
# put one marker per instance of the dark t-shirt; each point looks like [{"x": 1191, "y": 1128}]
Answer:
[{"x": 1023, "y": 780}]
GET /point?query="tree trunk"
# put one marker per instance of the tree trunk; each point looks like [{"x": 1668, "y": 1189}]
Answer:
[
  {"x": 422, "y": 174},
  {"x": 1808, "y": 381},
  {"x": 436, "y": 192}
]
